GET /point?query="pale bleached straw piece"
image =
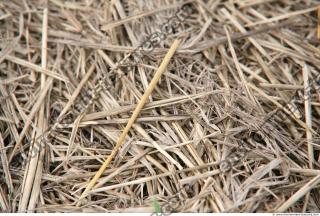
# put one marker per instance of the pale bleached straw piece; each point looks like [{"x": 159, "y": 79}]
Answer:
[
  {"x": 308, "y": 113},
  {"x": 33, "y": 175},
  {"x": 308, "y": 117},
  {"x": 113, "y": 24},
  {"x": 190, "y": 179},
  {"x": 35, "y": 67},
  {"x": 150, "y": 105},
  {"x": 34, "y": 199},
  {"x": 134, "y": 116},
  {"x": 284, "y": 16},
  {"x": 281, "y": 86},
  {"x": 300, "y": 193},
  {"x": 236, "y": 62},
  {"x": 3, "y": 201},
  {"x": 243, "y": 30}
]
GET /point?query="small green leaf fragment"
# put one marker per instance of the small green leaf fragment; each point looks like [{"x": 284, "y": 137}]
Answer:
[{"x": 156, "y": 205}]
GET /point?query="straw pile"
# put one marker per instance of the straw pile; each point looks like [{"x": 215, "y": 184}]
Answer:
[{"x": 232, "y": 125}]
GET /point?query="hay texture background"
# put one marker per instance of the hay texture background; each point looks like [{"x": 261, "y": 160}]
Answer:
[{"x": 232, "y": 125}]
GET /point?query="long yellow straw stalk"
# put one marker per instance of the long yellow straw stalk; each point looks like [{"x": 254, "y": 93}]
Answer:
[{"x": 134, "y": 116}]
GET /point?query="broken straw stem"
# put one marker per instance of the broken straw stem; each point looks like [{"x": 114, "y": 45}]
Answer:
[{"x": 134, "y": 116}]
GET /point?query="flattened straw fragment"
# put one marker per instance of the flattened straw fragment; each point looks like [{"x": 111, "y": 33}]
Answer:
[
  {"x": 151, "y": 105},
  {"x": 236, "y": 62},
  {"x": 134, "y": 116},
  {"x": 283, "y": 16},
  {"x": 113, "y": 24},
  {"x": 308, "y": 113},
  {"x": 300, "y": 193},
  {"x": 35, "y": 67}
]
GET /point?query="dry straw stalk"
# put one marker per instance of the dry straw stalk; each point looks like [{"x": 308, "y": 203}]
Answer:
[{"x": 135, "y": 114}]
